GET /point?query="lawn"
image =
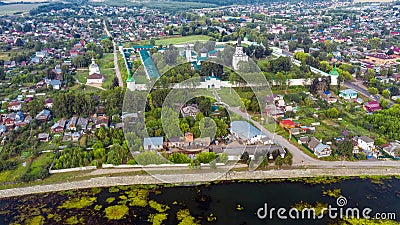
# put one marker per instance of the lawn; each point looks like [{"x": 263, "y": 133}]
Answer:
[
  {"x": 109, "y": 76},
  {"x": 85, "y": 89},
  {"x": 15, "y": 8},
  {"x": 107, "y": 62},
  {"x": 141, "y": 79},
  {"x": 81, "y": 75},
  {"x": 230, "y": 98},
  {"x": 4, "y": 56},
  {"x": 42, "y": 161},
  {"x": 14, "y": 175},
  {"x": 176, "y": 40},
  {"x": 182, "y": 39}
]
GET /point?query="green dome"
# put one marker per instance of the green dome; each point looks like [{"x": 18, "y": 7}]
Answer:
[{"x": 334, "y": 72}]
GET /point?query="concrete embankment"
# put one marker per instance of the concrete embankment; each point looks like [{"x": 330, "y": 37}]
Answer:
[{"x": 196, "y": 178}]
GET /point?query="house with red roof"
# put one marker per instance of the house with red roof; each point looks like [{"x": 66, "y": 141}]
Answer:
[
  {"x": 287, "y": 124},
  {"x": 372, "y": 106}
]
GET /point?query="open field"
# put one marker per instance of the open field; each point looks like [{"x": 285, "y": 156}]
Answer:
[
  {"x": 182, "y": 40},
  {"x": 230, "y": 98},
  {"x": 171, "y": 40},
  {"x": 107, "y": 62},
  {"x": 81, "y": 75},
  {"x": 15, "y": 8},
  {"x": 4, "y": 56},
  {"x": 109, "y": 76}
]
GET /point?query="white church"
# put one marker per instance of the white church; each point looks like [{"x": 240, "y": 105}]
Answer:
[
  {"x": 95, "y": 77},
  {"x": 239, "y": 55}
]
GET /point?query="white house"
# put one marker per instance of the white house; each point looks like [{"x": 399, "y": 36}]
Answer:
[
  {"x": 366, "y": 143},
  {"x": 14, "y": 106},
  {"x": 153, "y": 143},
  {"x": 393, "y": 149},
  {"x": 348, "y": 94},
  {"x": 246, "y": 132},
  {"x": 95, "y": 78}
]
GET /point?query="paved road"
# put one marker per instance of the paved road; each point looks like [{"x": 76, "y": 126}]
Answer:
[
  {"x": 117, "y": 71},
  {"x": 360, "y": 88}
]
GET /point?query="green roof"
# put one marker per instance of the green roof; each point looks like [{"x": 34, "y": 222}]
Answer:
[
  {"x": 130, "y": 79},
  {"x": 334, "y": 72}
]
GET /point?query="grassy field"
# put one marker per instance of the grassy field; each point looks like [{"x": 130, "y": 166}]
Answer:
[
  {"x": 106, "y": 65},
  {"x": 230, "y": 98},
  {"x": 85, "y": 89},
  {"x": 171, "y": 40},
  {"x": 122, "y": 68},
  {"x": 107, "y": 62},
  {"x": 109, "y": 76},
  {"x": 4, "y": 56},
  {"x": 81, "y": 75},
  {"x": 141, "y": 79},
  {"x": 15, "y": 8},
  {"x": 182, "y": 40}
]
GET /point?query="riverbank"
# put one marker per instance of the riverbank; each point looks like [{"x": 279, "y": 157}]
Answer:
[{"x": 197, "y": 178}]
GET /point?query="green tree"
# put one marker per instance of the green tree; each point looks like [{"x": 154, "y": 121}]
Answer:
[
  {"x": 386, "y": 93},
  {"x": 107, "y": 45},
  {"x": 373, "y": 90},
  {"x": 345, "y": 148},
  {"x": 178, "y": 158},
  {"x": 278, "y": 161},
  {"x": 384, "y": 103},
  {"x": 2, "y": 73},
  {"x": 332, "y": 112},
  {"x": 375, "y": 43}
]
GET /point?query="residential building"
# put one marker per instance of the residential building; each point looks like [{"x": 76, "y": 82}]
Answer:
[
  {"x": 287, "y": 124},
  {"x": 14, "y": 106},
  {"x": 153, "y": 143},
  {"x": 43, "y": 116},
  {"x": 58, "y": 126},
  {"x": 366, "y": 143},
  {"x": 319, "y": 149},
  {"x": 43, "y": 137},
  {"x": 246, "y": 132},
  {"x": 348, "y": 94},
  {"x": 372, "y": 106}
]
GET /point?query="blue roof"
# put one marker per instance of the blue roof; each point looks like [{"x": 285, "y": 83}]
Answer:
[
  {"x": 320, "y": 147},
  {"x": 244, "y": 130},
  {"x": 55, "y": 82},
  {"x": 348, "y": 92},
  {"x": 153, "y": 141},
  {"x": 148, "y": 63},
  {"x": 327, "y": 92}
]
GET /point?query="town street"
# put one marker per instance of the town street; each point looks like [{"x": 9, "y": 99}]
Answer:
[{"x": 117, "y": 71}]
